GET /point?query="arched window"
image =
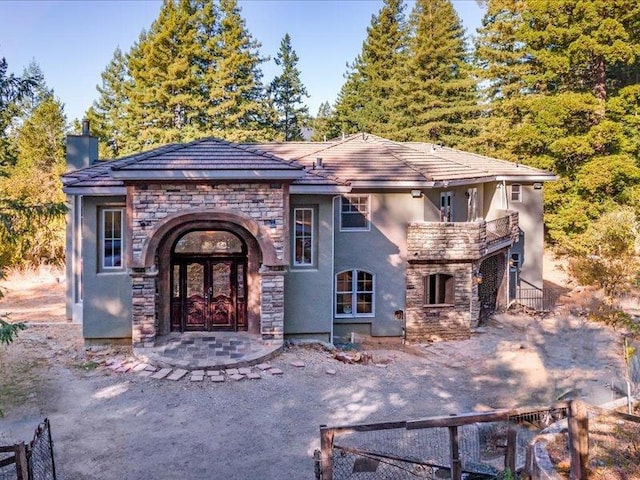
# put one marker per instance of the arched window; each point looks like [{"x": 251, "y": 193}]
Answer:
[{"x": 355, "y": 293}]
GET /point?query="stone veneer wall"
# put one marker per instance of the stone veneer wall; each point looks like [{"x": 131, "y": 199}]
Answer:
[
  {"x": 150, "y": 204},
  {"x": 451, "y": 249},
  {"x": 435, "y": 323}
]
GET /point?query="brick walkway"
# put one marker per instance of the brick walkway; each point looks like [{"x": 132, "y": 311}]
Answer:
[{"x": 208, "y": 350}]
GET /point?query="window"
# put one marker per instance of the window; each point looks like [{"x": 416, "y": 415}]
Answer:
[
  {"x": 439, "y": 289},
  {"x": 111, "y": 238},
  {"x": 354, "y": 294},
  {"x": 516, "y": 193},
  {"x": 303, "y": 237},
  {"x": 354, "y": 213},
  {"x": 446, "y": 206}
]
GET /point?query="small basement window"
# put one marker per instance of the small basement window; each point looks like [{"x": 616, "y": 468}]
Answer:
[{"x": 439, "y": 289}]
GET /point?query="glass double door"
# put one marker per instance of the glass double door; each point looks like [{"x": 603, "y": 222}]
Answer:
[{"x": 208, "y": 294}]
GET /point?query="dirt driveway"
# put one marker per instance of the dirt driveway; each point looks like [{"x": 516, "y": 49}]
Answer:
[{"x": 123, "y": 426}]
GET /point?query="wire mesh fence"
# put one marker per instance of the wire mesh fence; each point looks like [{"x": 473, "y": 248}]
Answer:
[
  {"x": 40, "y": 454},
  {"x": 470, "y": 447},
  {"x": 34, "y": 461}
]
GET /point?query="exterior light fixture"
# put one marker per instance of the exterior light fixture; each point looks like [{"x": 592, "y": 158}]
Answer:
[
  {"x": 537, "y": 186},
  {"x": 477, "y": 277},
  {"x": 416, "y": 193}
]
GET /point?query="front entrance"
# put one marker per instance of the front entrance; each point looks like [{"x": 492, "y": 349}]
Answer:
[{"x": 208, "y": 282}]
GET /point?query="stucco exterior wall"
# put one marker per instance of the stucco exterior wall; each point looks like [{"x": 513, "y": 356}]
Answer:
[
  {"x": 381, "y": 251},
  {"x": 309, "y": 290},
  {"x": 107, "y": 294},
  {"x": 531, "y": 245}
]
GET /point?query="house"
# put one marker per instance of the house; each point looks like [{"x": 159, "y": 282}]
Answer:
[{"x": 302, "y": 240}]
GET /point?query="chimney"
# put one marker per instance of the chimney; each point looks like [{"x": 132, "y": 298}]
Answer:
[
  {"x": 82, "y": 150},
  {"x": 318, "y": 163}
]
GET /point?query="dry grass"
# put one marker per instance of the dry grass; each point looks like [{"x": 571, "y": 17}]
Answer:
[
  {"x": 614, "y": 450},
  {"x": 33, "y": 296}
]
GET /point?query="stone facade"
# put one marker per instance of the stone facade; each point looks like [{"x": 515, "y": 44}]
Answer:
[
  {"x": 265, "y": 203},
  {"x": 455, "y": 249},
  {"x": 262, "y": 204}
]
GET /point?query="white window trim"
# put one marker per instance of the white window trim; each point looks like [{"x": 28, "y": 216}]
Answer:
[
  {"x": 354, "y": 295},
  {"x": 313, "y": 238},
  {"x": 103, "y": 267},
  {"x": 519, "y": 199},
  {"x": 444, "y": 195},
  {"x": 367, "y": 216}
]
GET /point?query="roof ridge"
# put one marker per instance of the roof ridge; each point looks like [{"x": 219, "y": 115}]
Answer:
[{"x": 386, "y": 141}]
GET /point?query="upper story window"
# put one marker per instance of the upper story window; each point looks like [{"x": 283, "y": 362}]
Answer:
[
  {"x": 355, "y": 291},
  {"x": 446, "y": 206},
  {"x": 303, "y": 237},
  {"x": 516, "y": 192},
  {"x": 355, "y": 213},
  {"x": 111, "y": 238},
  {"x": 439, "y": 289}
]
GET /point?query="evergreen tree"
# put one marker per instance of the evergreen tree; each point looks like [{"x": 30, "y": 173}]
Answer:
[
  {"x": 164, "y": 105},
  {"x": 287, "y": 93},
  {"x": 561, "y": 82},
  {"x": 33, "y": 233},
  {"x": 437, "y": 98},
  {"x": 365, "y": 100},
  {"x": 108, "y": 115},
  {"x": 13, "y": 91},
  {"x": 321, "y": 124},
  {"x": 237, "y": 106}
]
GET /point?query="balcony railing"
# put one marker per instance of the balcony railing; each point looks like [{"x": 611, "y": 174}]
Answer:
[
  {"x": 498, "y": 230},
  {"x": 444, "y": 241}
]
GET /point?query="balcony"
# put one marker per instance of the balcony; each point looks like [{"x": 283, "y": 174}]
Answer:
[{"x": 460, "y": 241}]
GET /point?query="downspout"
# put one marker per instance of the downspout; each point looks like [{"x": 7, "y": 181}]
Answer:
[
  {"x": 505, "y": 205},
  {"x": 333, "y": 261}
]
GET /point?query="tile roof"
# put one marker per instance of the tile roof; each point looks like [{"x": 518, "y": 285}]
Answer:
[{"x": 364, "y": 158}]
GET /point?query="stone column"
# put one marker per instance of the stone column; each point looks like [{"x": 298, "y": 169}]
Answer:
[
  {"x": 272, "y": 307},
  {"x": 143, "y": 328}
]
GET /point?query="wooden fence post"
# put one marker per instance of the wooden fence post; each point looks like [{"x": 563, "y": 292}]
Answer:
[
  {"x": 456, "y": 467},
  {"x": 510, "y": 456},
  {"x": 326, "y": 452},
  {"x": 578, "y": 440},
  {"x": 22, "y": 468}
]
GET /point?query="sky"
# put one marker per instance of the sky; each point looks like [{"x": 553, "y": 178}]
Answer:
[{"x": 73, "y": 40}]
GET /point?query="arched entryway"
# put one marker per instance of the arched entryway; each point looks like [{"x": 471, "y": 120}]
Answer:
[{"x": 208, "y": 282}]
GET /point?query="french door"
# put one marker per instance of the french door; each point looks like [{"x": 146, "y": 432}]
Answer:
[{"x": 208, "y": 294}]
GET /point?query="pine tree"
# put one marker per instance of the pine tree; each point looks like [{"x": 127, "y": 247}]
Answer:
[
  {"x": 561, "y": 80},
  {"x": 237, "y": 107},
  {"x": 321, "y": 124},
  {"x": 365, "y": 100},
  {"x": 33, "y": 188},
  {"x": 287, "y": 93},
  {"x": 13, "y": 91},
  {"x": 108, "y": 115},
  {"x": 164, "y": 104},
  {"x": 437, "y": 98}
]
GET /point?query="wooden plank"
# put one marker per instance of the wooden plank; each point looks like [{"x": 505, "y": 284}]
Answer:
[
  {"x": 578, "y": 423},
  {"x": 459, "y": 420},
  {"x": 22, "y": 468},
  {"x": 456, "y": 466},
  {"x": 368, "y": 427},
  {"x": 326, "y": 452},
  {"x": 510, "y": 455}
]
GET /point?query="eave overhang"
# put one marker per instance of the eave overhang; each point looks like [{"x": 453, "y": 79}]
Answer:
[
  {"x": 95, "y": 191},
  {"x": 171, "y": 175}
]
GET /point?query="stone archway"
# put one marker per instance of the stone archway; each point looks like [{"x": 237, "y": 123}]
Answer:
[{"x": 151, "y": 274}]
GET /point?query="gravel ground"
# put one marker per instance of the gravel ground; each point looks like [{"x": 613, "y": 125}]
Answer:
[{"x": 123, "y": 426}]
